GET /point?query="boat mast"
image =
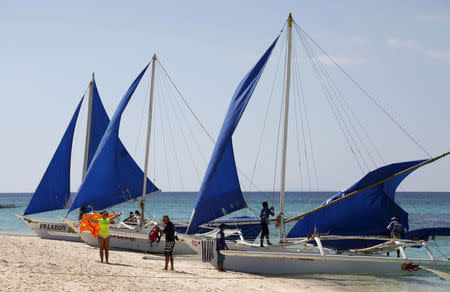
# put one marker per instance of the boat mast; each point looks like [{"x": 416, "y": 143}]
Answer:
[
  {"x": 285, "y": 128},
  {"x": 88, "y": 127},
  {"x": 147, "y": 146}
]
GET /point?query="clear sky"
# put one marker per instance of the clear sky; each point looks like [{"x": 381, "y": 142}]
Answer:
[{"x": 398, "y": 50}]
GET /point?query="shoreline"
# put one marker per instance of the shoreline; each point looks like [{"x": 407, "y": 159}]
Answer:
[
  {"x": 17, "y": 234},
  {"x": 31, "y": 263}
]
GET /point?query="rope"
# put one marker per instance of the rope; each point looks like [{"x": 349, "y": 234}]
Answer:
[
  {"x": 439, "y": 250},
  {"x": 330, "y": 100},
  {"x": 175, "y": 152},
  {"x": 184, "y": 138},
  {"x": 301, "y": 119},
  {"x": 187, "y": 105},
  {"x": 162, "y": 132},
  {"x": 267, "y": 113},
  {"x": 365, "y": 92},
  {"x": 278, "y": 133},
  {"x": 336, "y": 94},
  {"x": 144, "y": 107}
]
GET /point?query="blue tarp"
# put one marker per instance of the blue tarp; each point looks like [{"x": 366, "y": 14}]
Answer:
[
  {"x": 425, "y": 233},
  {"x": 220, "y": 192},
  {"x": 53, "y": 192},
  {"x": 113, "y": 177},
  {"x": 367, "y": 213}
]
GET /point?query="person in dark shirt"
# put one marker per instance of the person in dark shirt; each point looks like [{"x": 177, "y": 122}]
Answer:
[
  {"x": 221, "y": 245},
  {"x": 265, "y": 217},
  {"x": 130, "y": 218},
  {"x": 169, "y": 231}
]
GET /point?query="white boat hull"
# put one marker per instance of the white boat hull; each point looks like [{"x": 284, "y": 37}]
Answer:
[
  {"x": 128, "y": 239},
  {"x": 53, "y": 229},
  {"x": 292, "y": 261}
]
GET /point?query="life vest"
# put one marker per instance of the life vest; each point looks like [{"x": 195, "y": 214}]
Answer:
[{"x": 154, "y": 235}]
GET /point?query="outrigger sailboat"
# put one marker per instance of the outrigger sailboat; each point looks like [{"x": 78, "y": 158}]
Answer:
[
  {"x": 350, "y": 223},
  {"x": 109, "y": 182},
  {"x": 53, "y": 191}
]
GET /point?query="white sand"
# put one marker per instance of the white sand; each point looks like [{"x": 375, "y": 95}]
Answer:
[{"x": 34, "y": 264}]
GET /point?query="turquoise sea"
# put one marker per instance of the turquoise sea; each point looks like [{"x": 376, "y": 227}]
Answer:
[{"x": 426, "y": 209}]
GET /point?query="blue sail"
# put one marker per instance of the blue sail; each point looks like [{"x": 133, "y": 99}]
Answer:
[
  {"x": 113, "y": 176},
  {"x": 99, "y": 123},
  {"x": 53, "y": 192},
  {"x": 220, "y": 192},
  {"x": 367, "y": 213}
]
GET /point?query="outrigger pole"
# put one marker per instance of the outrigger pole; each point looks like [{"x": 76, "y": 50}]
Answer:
[
  {"x": 298, "y": 217},
  {"x": 147, "y": 146}
]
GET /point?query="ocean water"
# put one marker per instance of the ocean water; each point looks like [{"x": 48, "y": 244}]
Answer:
[{"x": 425, "y": 210}]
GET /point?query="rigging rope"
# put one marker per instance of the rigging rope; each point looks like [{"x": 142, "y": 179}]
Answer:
[
  {"x": 187, "y": 105},
  {"x": 365, "y": 92},
  {"x": 175, "y": 152},
  {"x": 146, "y": 100},
  {"x": 172, "y": 103},
  {"x": 161, "y": 100},
  {"x": 335, "y": 91},
  {"x": 267, "y": 113},
  {"x": 336, "y": 113},
  {"x": 279, "y": 130},
  {"x": 301, "y": 118}
]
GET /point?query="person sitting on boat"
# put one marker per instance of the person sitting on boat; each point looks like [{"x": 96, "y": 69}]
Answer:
[
  {"x": 396, "y": 229},
  {"x": 103, "y": 234},
  {"x": 131, "y": 219},
  {"x": 265, "y": 217},
  {"x": 137, "y": 216},
  {"x": 169, "y": 231},
  {"x": 221, "y": 245}
]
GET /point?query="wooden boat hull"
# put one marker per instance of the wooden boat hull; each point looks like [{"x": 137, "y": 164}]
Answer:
[{"x": 53, "y": 229}]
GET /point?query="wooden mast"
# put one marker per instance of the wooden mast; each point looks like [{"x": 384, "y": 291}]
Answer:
[
  {"x": 88, "y": 127},
  {"x": 285, "y": 128},
  {"x": 147, "y": 146}
]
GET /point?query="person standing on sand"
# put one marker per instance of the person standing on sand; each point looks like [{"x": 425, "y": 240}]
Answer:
[
  {"x": 169, "y": 231},
  {"x": 265, "y": 217},
  {"x": 221, "y": 245},
  {"x": 103, "y": 234}
]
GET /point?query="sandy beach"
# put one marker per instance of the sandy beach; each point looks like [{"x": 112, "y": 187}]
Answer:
[{"x": 28, "y": 263}]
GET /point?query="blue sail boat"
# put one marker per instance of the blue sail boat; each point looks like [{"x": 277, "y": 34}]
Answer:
[
  {"x": 53, "y": 192},
  {"x": 112, "y": 178},
  {"x": 362, "y": 210}
]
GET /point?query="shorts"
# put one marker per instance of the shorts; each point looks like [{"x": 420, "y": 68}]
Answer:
[
  {"x": 104, "y": 237},
  {"x": 168, "y": 248},
  {"x": 220, "y": 256},
  {"x": 396, "y": 236},
  {"x": 264, "y": 230}
]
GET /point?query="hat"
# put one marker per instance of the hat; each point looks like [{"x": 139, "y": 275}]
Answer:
[{"x": 223, "y": 225}]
